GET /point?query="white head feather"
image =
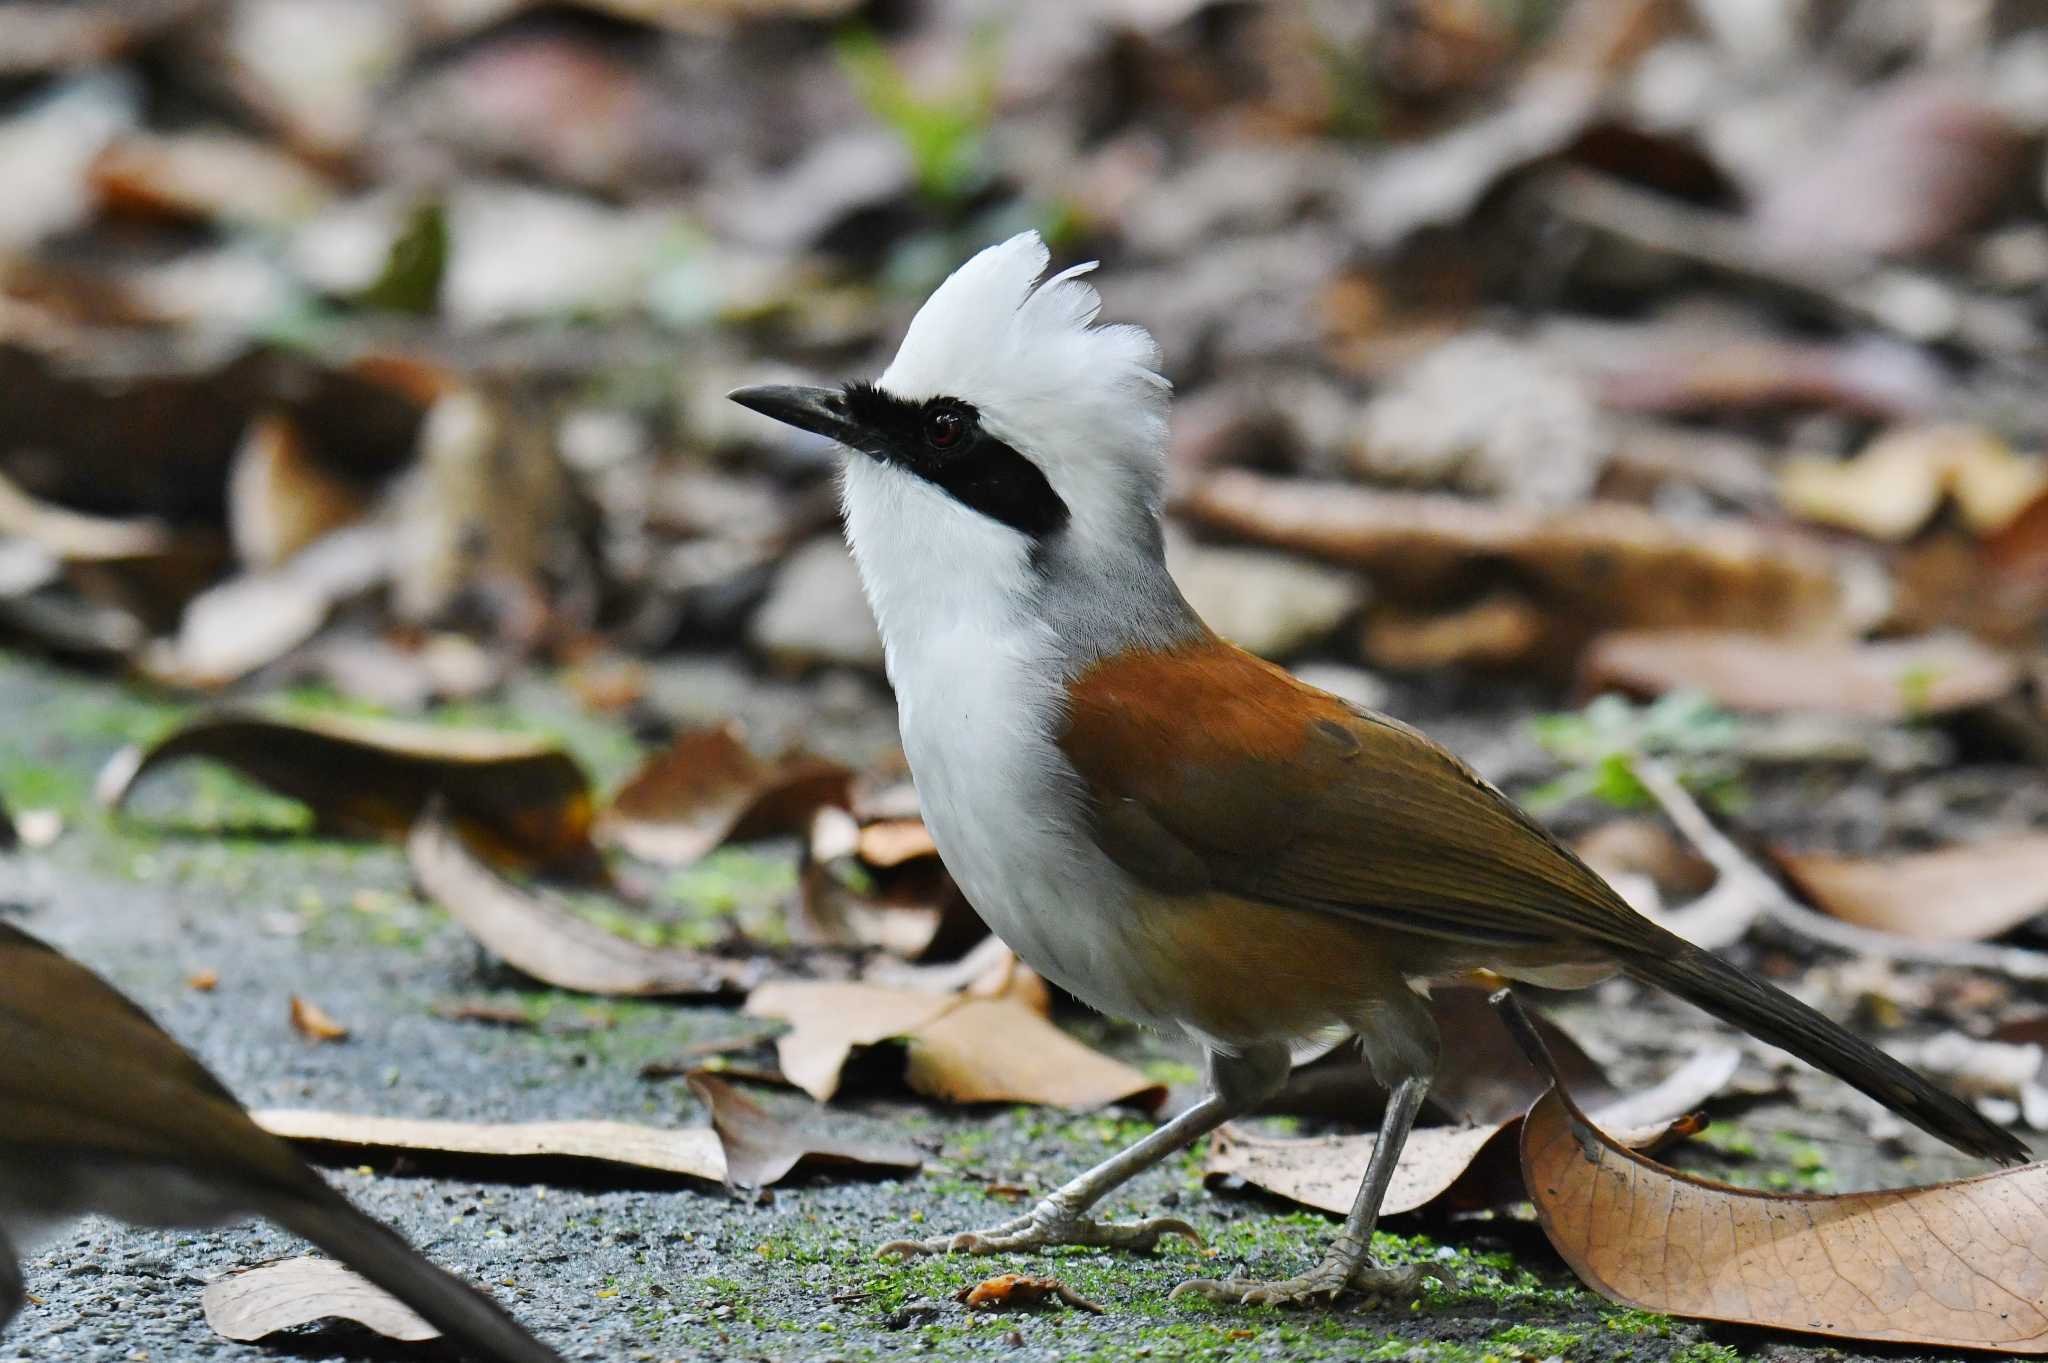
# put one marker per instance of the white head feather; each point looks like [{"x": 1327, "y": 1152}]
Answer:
[{"x": 1085, "y": 403}]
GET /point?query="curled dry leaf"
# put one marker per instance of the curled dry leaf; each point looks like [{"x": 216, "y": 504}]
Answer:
[
  {"x": 258, "y": 1302},
  {"x": 538, "y": 934},
  {"x": 1599, "y": 566},
  {"x": 961, "y": 1049},
  {"x": 1888, "y": 680},
  {"x": 315, "y": 1023},
  {"x": 520, "y": 800},
  {"x": 1955, "y": 894},
  {"x": 693, "y": 1152},
  {"x": 708, "y": 788},
  {"x": 762, "y": 1146},
  {"x": 1014, "y": 1291},
  {"x": 75, "y": 536},
  {"x": 1952, "y": 1265},
  {"x": 878, "y": 886}
]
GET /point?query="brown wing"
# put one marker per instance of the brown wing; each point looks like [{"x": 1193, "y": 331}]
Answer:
[
  {"x": 85, "y": 1073},
  {"x": 1213, "y": 770}
]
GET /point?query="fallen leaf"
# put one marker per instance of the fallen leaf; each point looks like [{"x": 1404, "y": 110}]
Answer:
[
  {"x": 314, "y": 1023},
  {"x": 280, "y": 498},
  {"x": 38, "y": 828},
  {"x": 888, "y": 843},
  {"x": 1910, "y": 163},
  {"x": 1469, "y": 1166},
  {"x": 203, "y": 981},
  {"x": 961, "y": 1049},
  {"x": 538, "y": 934},
  {"x": 1949, "y": 1265},
  {"x": 76, "y": 537},
  {"x": 519, "y": 799},
  {"x": 1894, "y": 487},
  {"x": 1003, "y": 1051},
  {"x": 1892, "y": 679},
  {"x": 1591, "y": 568},
  {"x": 693, "y": 1152},
  {"x": 760, "y": 1146},
  {"x": 1955, "y": 894},
  {"x": 255, "y": 618},
  {"x": 876, "y": 886},
  {"x": 209, "y": 177},
  {"x": 815, "y": 614},
  {"x": 254, "y": 1303},
  {"x": 707, "y": 788},
  {"x": 1015, "y": 1292},
  {"x": 829, "y": 1021}
]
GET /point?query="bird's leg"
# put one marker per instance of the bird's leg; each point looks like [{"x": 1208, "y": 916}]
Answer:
[
  {"x": 1348, "y": 1264},
  {"x": 1240, "y": 1082}
]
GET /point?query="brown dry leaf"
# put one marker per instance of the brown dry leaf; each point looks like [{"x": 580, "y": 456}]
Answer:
[
  {"x": 707, "y": 789},
  {"x": 1899, "y": 481},
  {"x": 1956, "y": 894},
  {"x": 314, "y": 1023},
  {"x": 888, "y": 843},
  {"x": 1950, "y": 1265},
  {"x": 1890, "y": 680},
  {"x": 760, "y": 1147},
  {"x": 1592, "y": 568},
  {"x": 539, "y": 935},
  {"x": 961, "y": 1049},
  {"x": 258, "y": 1302},
  {"x": 1015, "y": 1292},
  {"x": 203, "y": 981},
  {"x": 693, "y": 1152},
  {"x": 518, "y": 799},
  {"x": 280, "y": 498}
]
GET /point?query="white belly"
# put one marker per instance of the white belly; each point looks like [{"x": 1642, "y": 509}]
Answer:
[{"x": 1002, "y": 805}]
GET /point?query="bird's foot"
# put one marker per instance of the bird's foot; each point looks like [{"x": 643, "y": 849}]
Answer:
[
  {"x": 1050, "y": 1223},
  {"x": 1320, "y": 1286}
]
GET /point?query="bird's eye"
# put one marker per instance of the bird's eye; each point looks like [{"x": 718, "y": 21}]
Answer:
[{"x": 943, "y": 427}]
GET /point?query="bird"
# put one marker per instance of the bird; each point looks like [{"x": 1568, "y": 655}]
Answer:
[
  {"x": 107, "y": 1114},
  {"x": 1170, "y": 829}
]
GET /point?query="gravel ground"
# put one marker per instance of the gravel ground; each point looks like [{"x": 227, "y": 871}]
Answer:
[{"x": 674, "y": 1271}]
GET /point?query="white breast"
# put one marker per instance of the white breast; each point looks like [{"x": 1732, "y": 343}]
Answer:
[{"x": 978, "y": 691}]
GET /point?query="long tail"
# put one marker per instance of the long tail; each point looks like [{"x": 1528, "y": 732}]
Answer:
[
  {"x": 1703, "y": 979},
  {"x": 472, "y": 1322}
]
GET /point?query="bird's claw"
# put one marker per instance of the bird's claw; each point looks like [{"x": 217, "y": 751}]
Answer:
[
  {"x": 1321, "y": 1285},
  {"x": 1047, "y": 1225}
]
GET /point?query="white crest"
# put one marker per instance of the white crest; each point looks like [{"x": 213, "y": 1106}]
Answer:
[{"x": 1086, "y": 403}]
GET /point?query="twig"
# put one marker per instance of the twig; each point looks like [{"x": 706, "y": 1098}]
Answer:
[{"x": 1744, "y": 876}]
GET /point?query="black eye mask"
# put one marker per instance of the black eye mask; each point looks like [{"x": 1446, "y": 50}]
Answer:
[{"x": 941, "y": 440}]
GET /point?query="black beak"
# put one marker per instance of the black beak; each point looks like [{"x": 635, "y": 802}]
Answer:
[{"x": 820, "y": 410}]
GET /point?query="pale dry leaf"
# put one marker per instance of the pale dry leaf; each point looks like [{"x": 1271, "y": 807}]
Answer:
[
  {"x": 1893, "y": 488},
  {"x": 77, "y": 537},
  {"x": 280, "y": 498},
  {"x": 1892, "y": 679},
  {"x": 1472, "y": 1165},
  {"x": 258, "y": 1302},
  {"x": 693, "y": 1152},
  {"x": 707, "y": 788},
  {"x": 1950, "y": 1265},
  {"x": 1601, "y": 566},
  {"x": 315, "y": 1023},
  {"x": 541, "y": 936},
  {"x": 828, "y": 1021},
  {"x": 1004, "y": 1051},
  {"x": 1955, "y": 894},
  {"x": 762, "y": 1146}
]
